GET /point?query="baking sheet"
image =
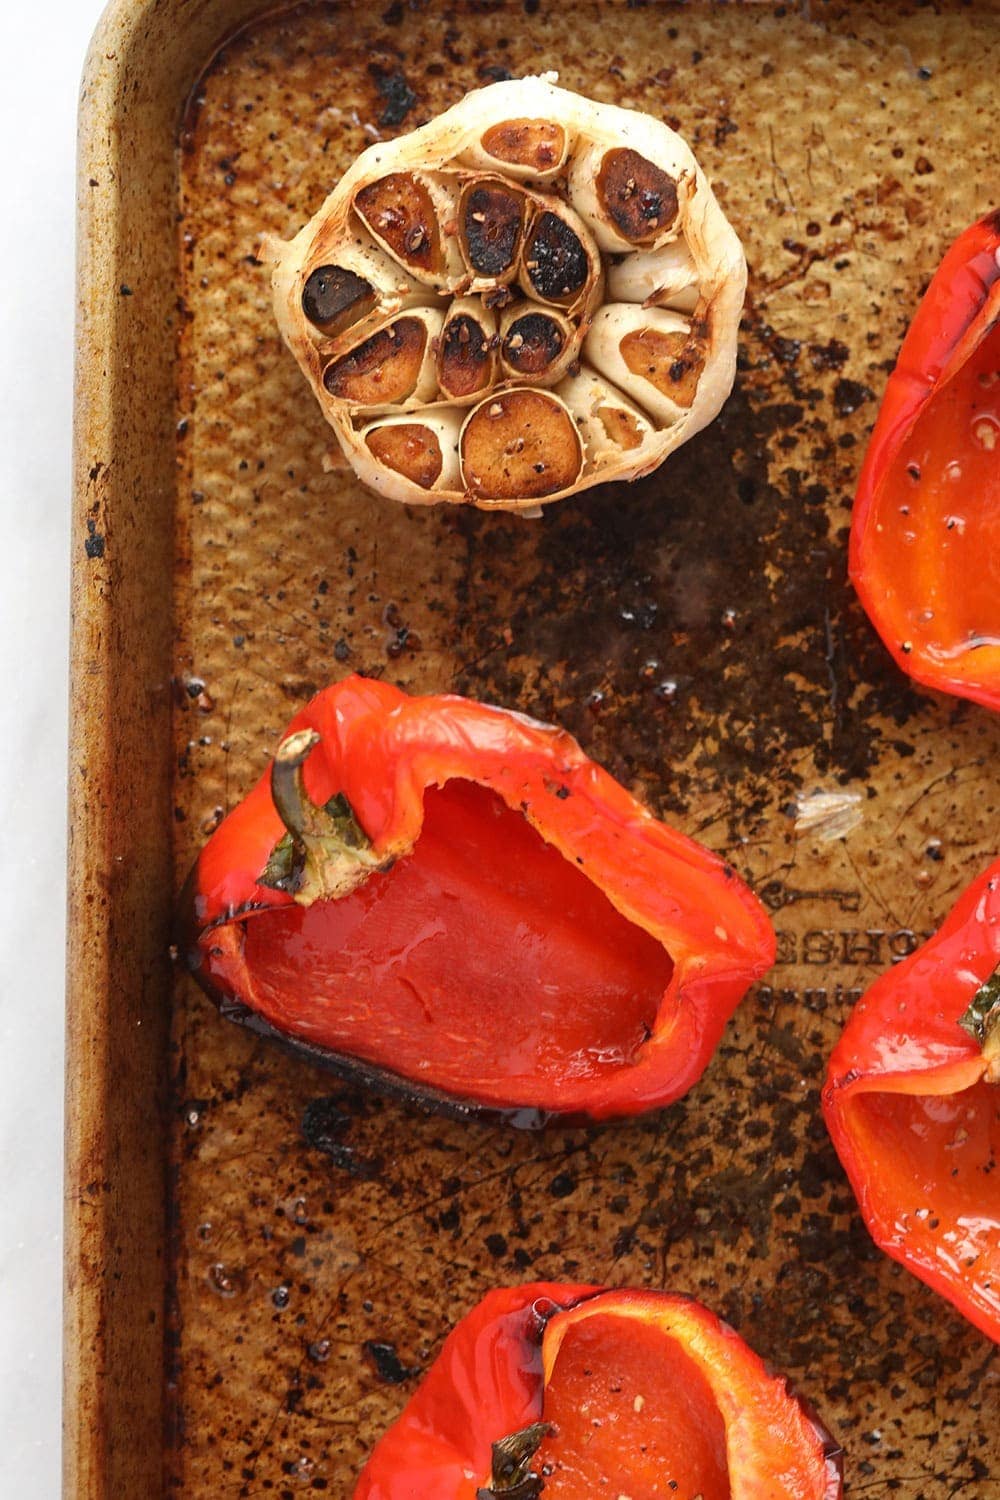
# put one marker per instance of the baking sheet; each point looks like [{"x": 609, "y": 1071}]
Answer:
[{"x": 694, "y": 631}]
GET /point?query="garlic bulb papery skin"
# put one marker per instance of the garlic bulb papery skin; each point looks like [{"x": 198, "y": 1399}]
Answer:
[
  {"x": 657, "y": 278},
  {"x": 611, "y": 426},
  {"x": 527, "y": 242}
]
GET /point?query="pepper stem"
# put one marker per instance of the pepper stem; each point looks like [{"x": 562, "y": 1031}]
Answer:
[
  {"x": 287, "y": 787},
  {"x": 982, "y": 1022},
  {"x": 512, "y": 1476},
  {"x": 325, "y": 853}
]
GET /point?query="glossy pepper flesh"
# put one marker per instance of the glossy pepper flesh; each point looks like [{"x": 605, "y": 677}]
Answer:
[
  {"x": 575, "y": 1391},
  {"x": 451, "y": 899},
  {"x": 925, "y": 533},
  {"x": 912, "y": 1102}
]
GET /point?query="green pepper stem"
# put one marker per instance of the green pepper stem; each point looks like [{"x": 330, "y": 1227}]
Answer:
[
  {"x": 287, "y": 787},
  {"x": 981, "y": 1021},
  {"x": 325, "y": 853}
]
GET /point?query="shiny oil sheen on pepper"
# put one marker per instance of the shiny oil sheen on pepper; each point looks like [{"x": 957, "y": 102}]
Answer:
[
  {"x": 925, "y": 534},
  {"x": 912, "y": 1102},
  {"x": 574, "y": 1392},
  {"x": 451, "y": 901}
]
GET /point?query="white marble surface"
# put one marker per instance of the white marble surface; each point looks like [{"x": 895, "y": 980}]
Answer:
[{"x": 41, "y": 57}]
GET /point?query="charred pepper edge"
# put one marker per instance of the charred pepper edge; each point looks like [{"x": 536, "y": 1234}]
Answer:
[{"x": 365, "y": 1075}]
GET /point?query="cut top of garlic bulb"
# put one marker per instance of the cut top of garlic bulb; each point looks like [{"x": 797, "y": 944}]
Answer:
[{"x": 531, "y": 294}]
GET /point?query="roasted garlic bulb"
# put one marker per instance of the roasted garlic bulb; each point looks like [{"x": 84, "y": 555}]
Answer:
[{"x": 529, "y": 295}]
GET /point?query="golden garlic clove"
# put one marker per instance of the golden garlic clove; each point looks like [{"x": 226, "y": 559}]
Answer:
[
  {"x": 420, "y": 450},
  {"x": 524, "y": 149},
  {"x": 405, "y": 213},
  {"x": 633, "y": 194},
  {"x": 394, "y": 363},
  {"x": 519, "y": 444},
  {"x": 655, "y": 356},
  {"x": 467, "y": 350}
]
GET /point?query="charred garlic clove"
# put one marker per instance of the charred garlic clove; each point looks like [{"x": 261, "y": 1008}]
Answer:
[
  {"x": 467, "y": 350},
  {"x": 537, "y": 343},
  {"x": 531, "y": 294},
  {"x": 490, "y": 228}
]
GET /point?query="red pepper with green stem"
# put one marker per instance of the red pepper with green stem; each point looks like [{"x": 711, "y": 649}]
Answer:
[
  {"x": 574, "y": 1391},
  {"x": 925, "y": 533},
  {"x": 451, "y": 900},
  {"x": 912, "y": 1102}
]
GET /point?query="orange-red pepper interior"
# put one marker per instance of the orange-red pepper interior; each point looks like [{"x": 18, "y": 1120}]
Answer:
[
  {"x": 938, "y": 1186},
  {"x": 483, "y": 954},
  {"x": 934, "y": 537},
  {"x": 634, "y": 1416}
]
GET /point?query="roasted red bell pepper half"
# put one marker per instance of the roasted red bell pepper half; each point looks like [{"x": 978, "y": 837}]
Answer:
[
  {"x": 450, "y": 899},
  {"x": 577, "y": 1392},
  {"x": 925, "y": 534},
  {"x": 912, "y": 1102}
]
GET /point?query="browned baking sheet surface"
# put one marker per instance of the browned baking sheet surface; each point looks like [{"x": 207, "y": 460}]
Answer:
[{"x": 694, "y": 631}]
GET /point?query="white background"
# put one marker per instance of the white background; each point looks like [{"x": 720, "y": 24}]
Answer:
[{"x": 41, "y": 57}]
